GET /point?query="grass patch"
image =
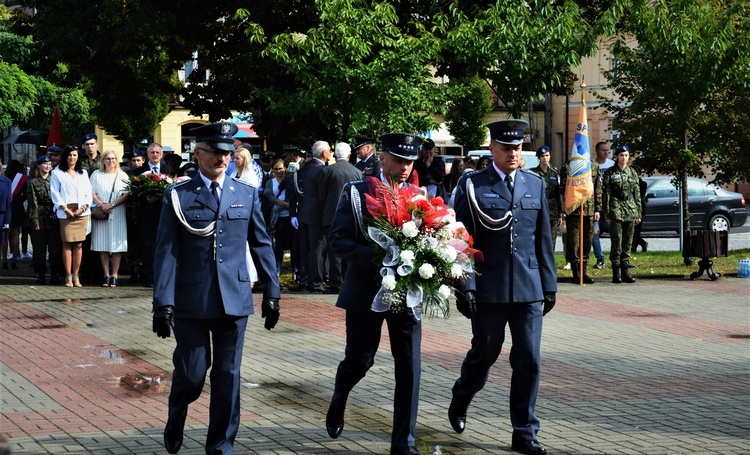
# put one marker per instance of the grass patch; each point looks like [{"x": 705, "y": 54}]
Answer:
[
  {"x": 656, "y": 264},
  {"x": 661, "y": 264}
]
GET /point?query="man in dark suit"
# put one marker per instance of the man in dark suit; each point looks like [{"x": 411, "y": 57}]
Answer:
[
  {"x": 307, "y": 216},
  {"x": 202, "y": 290},
  {"x": 332, "y": 181},
  {"x": 149, "y": 212},
  {"x": 505, "y": 209},
  {"x": 368, "y": 162},
  {"x": 348, "y": 239}
]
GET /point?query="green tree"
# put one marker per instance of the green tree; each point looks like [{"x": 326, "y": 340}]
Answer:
[
  {"x": 29, "y": 91},
  {"x": 682, "y": 69},
  {"x": 126, "y": 54},
  {"x": 364, "y": 67},
  {"x": 467, "y": 112},
  {"x": 523, "y": 51}
]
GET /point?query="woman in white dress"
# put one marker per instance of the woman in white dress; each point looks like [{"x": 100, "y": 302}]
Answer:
[
  {"x": 71, "y": 196},
  {"x": 110, "y": 236},
  {"x": 243, "y": 168}
]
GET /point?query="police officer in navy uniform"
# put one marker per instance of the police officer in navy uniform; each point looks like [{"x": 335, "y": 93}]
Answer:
[
  {"x": 505, "y": 209},
  {"x": 347, "y": 238},
  {"x": 202, "y": 286},
  {"x": 368, "y": 162}
]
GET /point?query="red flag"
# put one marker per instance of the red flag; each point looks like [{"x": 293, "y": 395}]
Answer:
[{"x": 55, "y": 130}]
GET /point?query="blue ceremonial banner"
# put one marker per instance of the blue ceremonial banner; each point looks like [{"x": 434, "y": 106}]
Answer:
[{"x": 579, "y": 187}]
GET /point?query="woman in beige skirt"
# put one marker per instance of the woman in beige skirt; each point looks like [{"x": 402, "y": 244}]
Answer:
[{"x": 71, "y": 196}]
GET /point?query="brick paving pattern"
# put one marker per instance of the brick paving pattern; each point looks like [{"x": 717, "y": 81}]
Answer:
[{"x": 661, "y": 366}]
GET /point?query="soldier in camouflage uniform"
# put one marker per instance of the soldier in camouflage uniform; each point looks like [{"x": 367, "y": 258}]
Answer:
[
  {"x": 45, "y": 229},
  {"x": 552, "y": 187},
  {"x": 591, "y": 210},
  {"x": 622, "y": 210},
  {"x": 90, "y": 145}
]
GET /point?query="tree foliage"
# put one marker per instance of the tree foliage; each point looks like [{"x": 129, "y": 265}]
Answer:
[
  {"x": 467, "y": 112},
  {"x": 126, "y": 55},
  {"x": 523, "y": 50},
  {"x": 363, "y": 68},
  {"x": 682, "y": 66},
  {"x": 29, "y": 91}
]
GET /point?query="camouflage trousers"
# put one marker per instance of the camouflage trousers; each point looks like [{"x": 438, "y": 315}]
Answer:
[
  {"x": 621, "y": 236},
  {"x": 42, "y": 241},
  {"x": 572, "y": 238}
]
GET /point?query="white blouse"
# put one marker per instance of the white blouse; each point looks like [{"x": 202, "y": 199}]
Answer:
[{"x": 70, "y": 190}]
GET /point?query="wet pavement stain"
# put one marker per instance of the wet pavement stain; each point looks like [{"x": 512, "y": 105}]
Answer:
[
  {"x": 143, "y": 383},
  {"x": 77, "y": 325},
  {"x": 739, "y": 336}
]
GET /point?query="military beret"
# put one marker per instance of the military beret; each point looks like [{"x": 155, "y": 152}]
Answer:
[
  {"x": 428, "y": 144},
  {"x": 360, "y": 141},
  {"x": 88, "y": 136},
  {"x": 402, "y": 145},
  {"x": 54, "y": 149},
  {"x": 138, "y": 152},
  {"x": 43, "y": 159},
  {"x": 509, "y": 131},
  {"x": 621, "y": 149},
  {"x": 543, "y": 150},
  {"x": 218, "y": 135}
]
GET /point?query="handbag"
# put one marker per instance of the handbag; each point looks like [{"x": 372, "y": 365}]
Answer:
[{"x": 97, "y": 212}]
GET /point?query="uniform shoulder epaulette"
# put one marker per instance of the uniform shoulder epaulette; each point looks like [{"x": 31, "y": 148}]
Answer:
[
  {"x": 235, "y": 179},
  {"x": 530, "y": 172},
  {"x": 178, "y": 184}
]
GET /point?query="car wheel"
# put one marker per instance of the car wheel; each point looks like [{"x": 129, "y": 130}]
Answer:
[{"x": 718, "y": 222}]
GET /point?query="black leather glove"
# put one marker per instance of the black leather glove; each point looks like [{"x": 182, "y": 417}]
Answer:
[
  {"x": 269, "y": 310},
  {"x": 549, "y": 302},
  {"x": 466, "y": 303},
  {"x": 163, "y": 321}
]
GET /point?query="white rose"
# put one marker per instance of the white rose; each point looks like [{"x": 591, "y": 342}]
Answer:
[
  {"x": 449, "y": 253},
  {"x": 410, "y": 229},
  {"x": 444, "y": 291},
  {"x": 389, "y": 282},
  {"x": 426, "y": 271},
  {"x": 456, "y": 271},
  {"x": 407, "y": 256}
]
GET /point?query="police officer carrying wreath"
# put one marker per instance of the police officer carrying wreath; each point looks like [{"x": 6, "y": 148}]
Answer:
[
  {"x": 348, "y": 238},
  {"x": 622, "y": 210},
  {"x": 551, "y": 178}
]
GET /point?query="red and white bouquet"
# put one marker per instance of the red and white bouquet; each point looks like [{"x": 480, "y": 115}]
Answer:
[
  {"x": 151, "y": 184},
  {"x": 422, "y": 251}
]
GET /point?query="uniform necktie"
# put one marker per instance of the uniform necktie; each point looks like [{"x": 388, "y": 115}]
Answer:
[
  {"x": 509, "y": 182},
  {"x": 215, "y": 192}
]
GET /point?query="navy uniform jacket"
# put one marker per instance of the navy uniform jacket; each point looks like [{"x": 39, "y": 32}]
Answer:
[
  {"x": 332, "y": 181},
  {"x": 346, "y": 239},
  {"x": 521, "y": 271},
  {"x": 188, "y": 275},
  {"x": 370, "y": 166}
]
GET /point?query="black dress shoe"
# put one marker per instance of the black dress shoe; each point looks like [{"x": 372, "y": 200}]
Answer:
[
  {"x": 411, "y": 450},
  {"x": 335, "y": 421},
  {"x": 173, "y": 433},
  {"x": 319, "y": 288},
  {"x": 529, "y": 446},
  {"x": 332, "y": 290},
  {"x": 457, "y": 418}
]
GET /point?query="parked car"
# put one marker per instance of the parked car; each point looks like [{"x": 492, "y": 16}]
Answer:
[{"x": 710, "y": 206}]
